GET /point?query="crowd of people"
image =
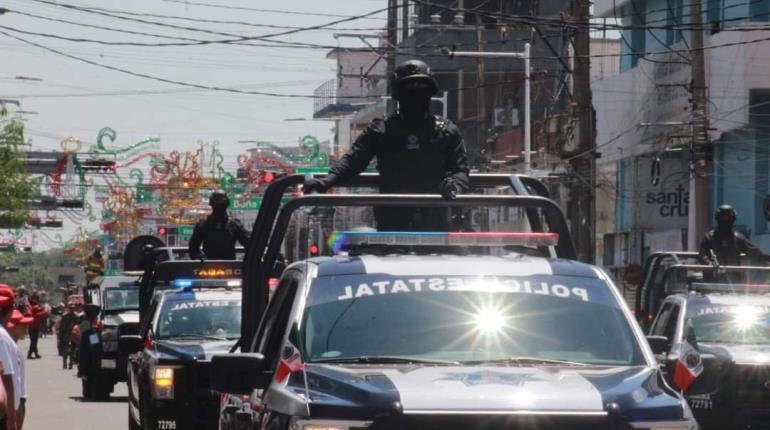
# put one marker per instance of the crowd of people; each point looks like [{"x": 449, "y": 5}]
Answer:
[{"x": 21, "y": 315}]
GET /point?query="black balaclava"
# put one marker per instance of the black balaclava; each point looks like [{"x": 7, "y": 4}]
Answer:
[
  {"x": 219, "y": 210},
  {"x": 725, "y": 218},
  {"x": 414, "y": 101},
  {"x": 219, "y": 203}
]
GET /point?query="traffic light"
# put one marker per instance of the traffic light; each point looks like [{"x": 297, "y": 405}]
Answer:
[
  {"x": 314, "y": 250},
  {"x": 162, "y": 230}
]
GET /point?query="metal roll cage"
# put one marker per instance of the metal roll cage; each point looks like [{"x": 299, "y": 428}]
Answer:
[{"x": 272, "y": 222}]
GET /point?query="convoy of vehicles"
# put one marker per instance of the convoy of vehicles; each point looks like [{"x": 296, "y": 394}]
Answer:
[{"x": 491, "y": 327}]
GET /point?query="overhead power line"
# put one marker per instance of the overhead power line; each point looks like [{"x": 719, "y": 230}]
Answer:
[
  {"x": 252, "y": 9},
  {"x": 165, "y": 80},
  {"x": 226, "y": 22},
  {"x": 235, "y": 37}
]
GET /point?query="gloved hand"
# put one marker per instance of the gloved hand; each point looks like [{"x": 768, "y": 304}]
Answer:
[
  {"x": 449, "y": 188},
  {"x": 315, "y": 185}
]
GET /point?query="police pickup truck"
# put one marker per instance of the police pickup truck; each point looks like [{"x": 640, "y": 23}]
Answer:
[
  {"x": 195, "y": 314},
  {"x": 118, "y": 301},
  {"x": 716, "y": 340},
  {"x": 429, "y": 330}
]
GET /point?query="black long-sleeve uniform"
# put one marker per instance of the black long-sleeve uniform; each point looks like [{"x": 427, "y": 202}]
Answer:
[
  {"x": 218, "y": 237},
  {"x": 728, "y": 247},
  {"x": 410, "y": 160}
]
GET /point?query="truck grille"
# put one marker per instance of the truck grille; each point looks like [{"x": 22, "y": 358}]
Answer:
[{"x": 752, "y": 387}]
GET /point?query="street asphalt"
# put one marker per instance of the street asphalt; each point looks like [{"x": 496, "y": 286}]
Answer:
[{"x": 54, "y": 400}]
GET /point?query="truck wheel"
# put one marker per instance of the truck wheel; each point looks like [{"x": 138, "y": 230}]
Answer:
[
  {"x": 101, "y": 390},
  {"x": 132, "y": 425}
]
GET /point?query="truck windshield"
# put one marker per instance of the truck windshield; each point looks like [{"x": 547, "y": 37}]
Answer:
[
  {"x": 730, "y": 323},
  {"x": 121, "y": 298},
  {"x": 187, "y": 316},
  {"x": 467, "y": 319}
]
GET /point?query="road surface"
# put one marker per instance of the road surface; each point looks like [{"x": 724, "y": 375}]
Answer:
[{"x": 54, "y": 397}]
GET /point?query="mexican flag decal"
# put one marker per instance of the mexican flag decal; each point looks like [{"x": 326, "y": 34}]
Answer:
[
  {"x": 291, "y": 358},
  {"x": 688, "y": 367}
]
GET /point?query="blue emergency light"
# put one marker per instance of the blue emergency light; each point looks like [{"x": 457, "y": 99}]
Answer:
[{"x": 183, "y": 283}]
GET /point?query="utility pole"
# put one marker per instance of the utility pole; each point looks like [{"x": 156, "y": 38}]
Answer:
[
  {"x": 582, "y": 210},
  {"x": 700, "y": 147},
  {"x": 392, "y": 42},
  {"x": 481, "y": 114}
]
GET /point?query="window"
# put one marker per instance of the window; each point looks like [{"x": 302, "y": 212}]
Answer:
[
  {"x": 665, "y": 324},
  {"x": 638, "y": 33},
  {"x": 273, "y": 325},
  {"x": 714, "y": 15},
  {"x": 759, "y": 11},
  {"x": 674, "y": 18},
  {"x": 352, "y": 316}
]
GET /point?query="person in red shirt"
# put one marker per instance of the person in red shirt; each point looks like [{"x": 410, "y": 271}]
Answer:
[{"x": 38, "y": 313}]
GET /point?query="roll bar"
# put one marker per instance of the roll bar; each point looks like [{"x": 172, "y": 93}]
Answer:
[{"x": 260, "y": 260}]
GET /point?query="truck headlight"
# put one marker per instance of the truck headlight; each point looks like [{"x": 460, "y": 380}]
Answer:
[
  {"x": 689, "y": 424},
  {"x": 163, "y": 382},
  {"x": 329, "y": 425},
  {"x": 110, "y": 339}
]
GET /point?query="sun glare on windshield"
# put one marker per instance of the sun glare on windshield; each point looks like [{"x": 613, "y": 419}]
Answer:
[
  {"x": 746, "y": 317},
  {"x": 489, "y": 320}
]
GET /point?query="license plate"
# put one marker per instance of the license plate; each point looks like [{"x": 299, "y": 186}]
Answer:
[
  {"x": 166, "y": 425},
  {"x": 109, "y": 364}
]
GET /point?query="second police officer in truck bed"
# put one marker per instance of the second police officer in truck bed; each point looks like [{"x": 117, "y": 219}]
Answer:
[
  {"x": 218, "y": 232},
  {"x": 417, "y": 153}
]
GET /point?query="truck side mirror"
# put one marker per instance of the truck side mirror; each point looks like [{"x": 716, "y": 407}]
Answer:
[
  {"x": 658, "y": 344},
  {"x": 130, "y": 343},
  {"x": 238, "y": 373}
]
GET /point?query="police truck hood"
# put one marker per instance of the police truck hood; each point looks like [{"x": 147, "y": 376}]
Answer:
[
  {"x": 120, "y": 317},
  {"x": 739, "y": 353},
  {"x": 191, "y": 349},
  {"x": 359, "y": 390}
]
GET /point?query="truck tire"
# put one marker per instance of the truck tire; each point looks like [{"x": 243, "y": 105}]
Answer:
[
  {"x": 101, "y": 390},
  {"x": 132, "y": 425}
]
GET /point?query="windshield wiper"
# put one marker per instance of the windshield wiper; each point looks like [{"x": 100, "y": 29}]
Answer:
[
  {"x": 382, "y": 359},
  {"x": 525, "y": 360}
]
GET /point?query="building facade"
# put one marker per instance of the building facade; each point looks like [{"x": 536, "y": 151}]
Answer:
[{"x": 644, "y": 124}]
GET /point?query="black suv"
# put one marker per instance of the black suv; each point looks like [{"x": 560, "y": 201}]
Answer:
[{"x": 118, "y": 300}]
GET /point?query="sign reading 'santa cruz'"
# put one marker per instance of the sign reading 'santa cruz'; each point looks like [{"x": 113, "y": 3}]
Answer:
[{"x": 348, "y": 287}]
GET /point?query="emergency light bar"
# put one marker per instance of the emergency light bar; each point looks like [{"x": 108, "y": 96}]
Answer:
[
  {"x": 344, "y": 239},
  {"x": 188, "y": 284},
  {"x": 729, "y": 288}
]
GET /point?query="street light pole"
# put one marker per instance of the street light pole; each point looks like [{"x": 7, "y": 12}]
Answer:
[{"x": 525, "y": 55}]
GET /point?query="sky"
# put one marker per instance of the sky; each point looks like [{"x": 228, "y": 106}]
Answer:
[{"x": 72, "y": 98}]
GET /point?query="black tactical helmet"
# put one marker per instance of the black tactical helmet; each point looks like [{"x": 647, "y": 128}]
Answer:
[
  {"x": 219, "y": 198},
  {"x": 724, "y": 212},
  {"x": 412, "y": 71}
]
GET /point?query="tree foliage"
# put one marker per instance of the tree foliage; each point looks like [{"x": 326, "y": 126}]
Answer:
[
  {"x": 15, "y": 188},
  {"x": 34, "y": 268}
]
